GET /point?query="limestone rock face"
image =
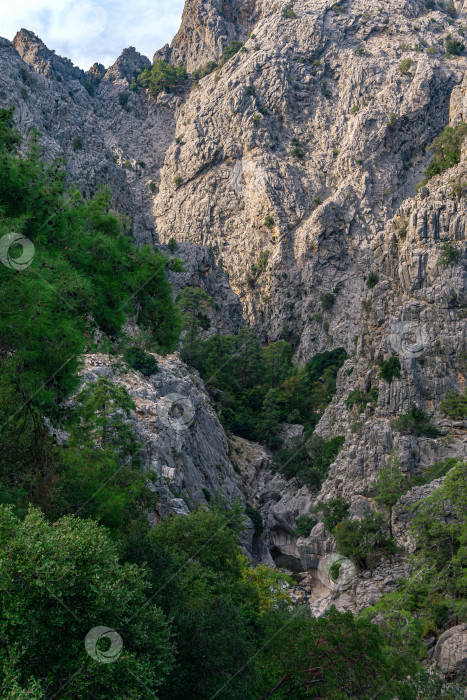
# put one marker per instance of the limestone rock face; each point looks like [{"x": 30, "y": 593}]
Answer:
[
  {"x": 313, "y": 125},
  {"x": 451, "y": 652},
  {"x": 207, "y": 27},
  {"x": 184, "y": 448}
]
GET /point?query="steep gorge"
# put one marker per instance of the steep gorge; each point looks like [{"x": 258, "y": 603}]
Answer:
[{"x": 303, "y": 150}]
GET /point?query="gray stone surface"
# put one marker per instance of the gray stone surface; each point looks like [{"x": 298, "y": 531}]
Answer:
[{"x": 451, "y": 653}]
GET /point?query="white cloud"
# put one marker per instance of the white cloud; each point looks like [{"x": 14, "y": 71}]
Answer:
[{"x": 87, "y": 31}]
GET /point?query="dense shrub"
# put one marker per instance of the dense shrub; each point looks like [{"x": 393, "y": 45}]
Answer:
[
  {"x": 333, "y": 512},
  {"x": 415, "y": 422},
  {"x": 449, "y": 254},
  {"x": 454, "y": 48},
  {"x": 357, "y": 539},
  {"x": 372, "y": 280},
  {"x": 405, "y": 65},
  {"x": 305, "y": 524},
  {"x": 204, "y": 70},
  {"x": 230, "y": 50},
  {"x": 454, "y": 405},
  {"x": 360, "y": 398},
  {"x": 256, "y": 518},
  {"x": 446, "y": 150},
  {"x": 309, "y": 459},
  {"x": 162, "y": 77},
  {"x": 390, "y": 368},
  {"x": 142, "y": 361},
  {"x": 327, "y": 301}
]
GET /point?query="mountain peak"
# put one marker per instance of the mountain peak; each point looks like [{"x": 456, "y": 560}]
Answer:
[{"x": 207, "y": 26}]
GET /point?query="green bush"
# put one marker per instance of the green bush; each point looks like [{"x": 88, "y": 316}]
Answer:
[
  {"x": 449, "y": 254},
  {"x": 454, "y": 48},
  {"x": 309, "y": 459},
  {"x": 305, "y": 524},
  {"x": 372, "y": 280},
  {"x": 288, "y": 11},
  {"x": 162, "y": 77},
  {"x": 141, "y": 361},
  {"x": 230, "y": 50},
  {"x": 357, "y": 539},
  {"x": 67, "y": 576},
  {"x": 390, "y": 368},
  {"x": 454, "y": 405},
  {"x": 172, "y": 245},
  {"x": 327, "y": 301},
  {"x": 405, "y": 65},
  {"x": 333, "y": 512},
  {"x": 446, "y": 150},
  {"x": 415, "y": 422},
  {"x": 269, "y": 222},
  {"x": 360, "y": 398},
  {"x": 256, "y": 518},
  {"x": 123, "y": 98},
  {"x": 204, "y": 70}
]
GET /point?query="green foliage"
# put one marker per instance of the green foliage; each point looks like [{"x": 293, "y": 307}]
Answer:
[
  {"x": 297, "y": 151},
  {"x": 372, "y": 279},
  {"x": 327, "y": 301},
  {"x": 162, "y": 77},
  {"x": 360, "y": 398},
  {"x": 436, "y": 471},
  {"x": 415, "y": 422},
  {"x": 288, "y": 11},
  {"x": 194, "y": 304},
  {"x": 357, "y": 539},
  {"x": 454, "y": 405},
  {"x": 309, "y": 459},
  {"x": 454, "y": 48},
  {"x": 152, "y": 186},
  {"x": 449, "y": 254},
  {"x": 204, "y": 70},
  {"x": 390, "y": 368},
  {"x": 177, "y": 181},
  {"x": 335, "y": 656},
  {"x": 86, "y": 275},
  {"x": 142, "y": 361},
  {"x": 172, "y": 245},
  {"x": 230, "y": 50},
  {"x": 123, "y": 99},
  {"x": 256, "y": 389},
  {"x": 100, "y": 472},
  {"x": 434, "y": 596},
  {"x": 305, "y": 524},
  {"x": 333, "y": 512},
  {"x": 446, "y": 150},
  {"x": 255, "y": 517},
  {"x": 334, "y": 570},
  {"x": 57, "y": 582},
  {"x": 405, "y": 65},
  {"x": 268, "y": 222}
]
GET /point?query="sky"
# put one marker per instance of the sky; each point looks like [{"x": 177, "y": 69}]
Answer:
[{"x": 90, "y": 31}]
